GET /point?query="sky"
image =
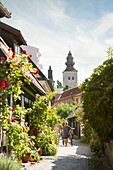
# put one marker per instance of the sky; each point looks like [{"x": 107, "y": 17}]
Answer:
[{"x": 84, "y": 27}]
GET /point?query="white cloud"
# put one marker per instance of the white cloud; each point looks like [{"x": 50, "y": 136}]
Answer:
[{"x": 104, "y": 24}]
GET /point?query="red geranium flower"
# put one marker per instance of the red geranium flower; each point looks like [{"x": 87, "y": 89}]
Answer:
[
  {"x": 50, "y": 142},
  {"x": 22, "y": 85},
  {"x": 30, "y": 55},
  {"x": 36, "y": 72},
  {"x": 39, "y": 151},
  {"x": 24, "y": 51},
  {"x": 9, "y": 49},
  {"x": 13, "y": 109},
  {"x": 24, "y": 130},
  {"x": 2, "y": 58},
  {"x": 6, "y": 84},
  {"x": 13, "y": 120}
]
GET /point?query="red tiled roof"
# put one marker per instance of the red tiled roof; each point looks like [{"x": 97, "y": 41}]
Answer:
[
  {"x": 70, "y": 92},
  {"x": 57, "y": 96}
]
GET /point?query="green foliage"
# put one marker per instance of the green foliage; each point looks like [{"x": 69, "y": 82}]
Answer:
[
  {"x": 9, "y": 164},
  {"x": 49, "y": 150},
  {"x": 87, "y": 131},
  {"x": 41, "y": 112},
  {"x": 98, "y": 99},
  {"x": 64, "y": 110},
  {"x": 45, "y": 138},
  {"x": 95, "y": 146},
  {"x": 59, "y": 84}
]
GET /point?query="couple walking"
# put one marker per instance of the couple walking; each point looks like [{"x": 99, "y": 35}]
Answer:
[{"x": 66, "y": 132}]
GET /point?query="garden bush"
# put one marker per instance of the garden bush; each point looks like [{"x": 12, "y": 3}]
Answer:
[
  {"x": 49, "y": 150},
  {"x": 97, "y": 99}
]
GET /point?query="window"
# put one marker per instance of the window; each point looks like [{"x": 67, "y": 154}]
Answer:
[
  {"x": 68, "y": 78},
  {"x": 77, "y": 100},
  {"x": 17, "y": 48},
  {"x": 72, "y": 78}
]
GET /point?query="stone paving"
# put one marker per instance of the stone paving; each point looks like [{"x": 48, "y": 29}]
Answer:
[{"x": 77, "y": 157}]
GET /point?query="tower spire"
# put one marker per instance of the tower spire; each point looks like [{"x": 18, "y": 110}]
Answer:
[{"x": 69, "y": 62}]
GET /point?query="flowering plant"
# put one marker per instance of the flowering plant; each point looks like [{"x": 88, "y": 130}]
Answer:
[
  {"x": 11, "y": 74},
  {"x": 35, "y": 157}
]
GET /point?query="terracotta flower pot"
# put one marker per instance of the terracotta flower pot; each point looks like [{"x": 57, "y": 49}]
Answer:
[{"x": 26, "y": 158}]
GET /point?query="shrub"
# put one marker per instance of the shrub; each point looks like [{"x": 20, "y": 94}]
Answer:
[
  {"x": 97, "y": 99},
  {"x": 49, "y": 150},
  {"x": 8, "y": 164},
  {"x": 95, "y": 147}
]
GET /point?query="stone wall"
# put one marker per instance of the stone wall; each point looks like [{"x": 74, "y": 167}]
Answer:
[{"x": 109, "y": 152}]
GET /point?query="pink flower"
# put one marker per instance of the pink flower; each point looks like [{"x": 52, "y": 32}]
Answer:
[
  {"x": 50, "y": 142},
  {"x": 24, "y": 130},
  {"x": 2, "y": 58},
  {"x": 39, "y": 151},
  {"x": 13, "y": 109},
  {"x": 13, "y": 120},
  {"x": 24, "y": 51},
  {"x": 22, "y": 85}
]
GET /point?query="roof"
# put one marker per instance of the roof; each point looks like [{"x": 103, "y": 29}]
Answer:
[
  {"x": 57, "y": 96},
  {"x": 41, "y": 77},
  {"x": 71, "y": 92},
  {"x": 4, "y": 11},
  {"x": 14, "y": 31}
]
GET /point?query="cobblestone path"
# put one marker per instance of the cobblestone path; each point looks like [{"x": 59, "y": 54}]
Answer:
[{"x": 77, "y": 157}]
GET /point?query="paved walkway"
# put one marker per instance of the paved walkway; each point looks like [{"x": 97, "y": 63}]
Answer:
[{"x": 77, "y": 157}]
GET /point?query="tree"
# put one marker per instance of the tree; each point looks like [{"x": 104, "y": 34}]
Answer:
[
  {"x": 59, "y": 84},
  {"x": 64, "y": 110},
  {"x": 97, "y": 99}
]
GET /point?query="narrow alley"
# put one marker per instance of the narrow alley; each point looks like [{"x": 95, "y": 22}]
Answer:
[{"x": 77, "y": 157}]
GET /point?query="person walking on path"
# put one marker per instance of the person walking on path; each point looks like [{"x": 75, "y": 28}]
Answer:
[{"x": 66, "y": 130}]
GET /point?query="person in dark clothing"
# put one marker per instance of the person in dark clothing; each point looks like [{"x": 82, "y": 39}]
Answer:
[{"x": 66, "y": 130}]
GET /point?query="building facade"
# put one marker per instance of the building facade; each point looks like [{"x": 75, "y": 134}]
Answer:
[{"x": 70, "y": 96}]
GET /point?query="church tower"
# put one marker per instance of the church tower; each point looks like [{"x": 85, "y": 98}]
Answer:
[
  {"x": 70, "y": 73},
  {"x": 50, "y": 76}
]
